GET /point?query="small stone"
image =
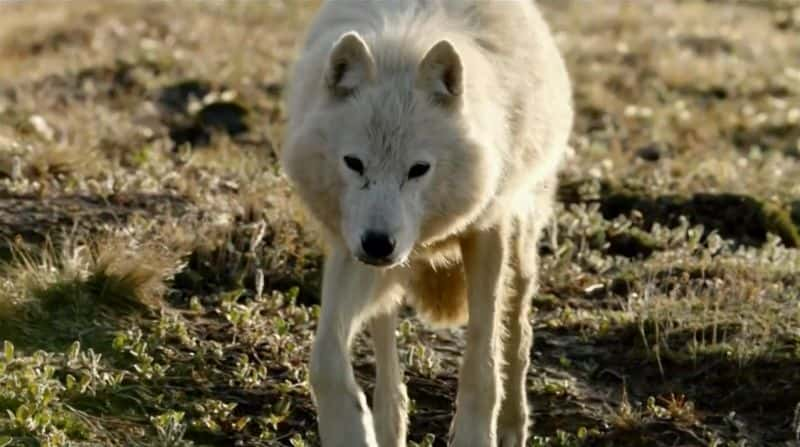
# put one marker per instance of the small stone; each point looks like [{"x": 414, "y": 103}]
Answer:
[
  {"x": 42, "y": 128},
  {"x": 16, "y": 168}
]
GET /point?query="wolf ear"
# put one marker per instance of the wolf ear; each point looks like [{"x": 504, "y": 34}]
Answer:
[
  {"x": 350, "y": 64},
  {"x": 441, "y": 74}
]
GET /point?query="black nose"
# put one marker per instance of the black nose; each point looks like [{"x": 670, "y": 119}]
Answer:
[{"x": 377, "y": 245}]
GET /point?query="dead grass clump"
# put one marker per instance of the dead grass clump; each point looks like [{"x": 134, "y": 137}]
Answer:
[
  {"x": 48, "y": 162},
  {"x": 129, "y": 273},
  {"x": 111, "y": 273},
  {"x": 54, "y": 161},
  {"x": 626, "y": 417}
]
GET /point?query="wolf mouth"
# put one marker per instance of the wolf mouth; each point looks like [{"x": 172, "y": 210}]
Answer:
[{"x": 383, "y": 263}]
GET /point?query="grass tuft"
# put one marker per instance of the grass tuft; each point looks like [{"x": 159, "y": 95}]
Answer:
[{"x": 112, "y": 273}]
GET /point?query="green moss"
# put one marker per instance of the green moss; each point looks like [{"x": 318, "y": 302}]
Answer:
[
  {"x": 778, "y": 221},
  {"x": 546, "y": 301},
  {"x": 795, "y": 212},
  {"x": 101, "y": 289},
  {"x": 632, "y": 243},
  {"x": 625, "y": 283},
  {"x": 743, "y": 218}
]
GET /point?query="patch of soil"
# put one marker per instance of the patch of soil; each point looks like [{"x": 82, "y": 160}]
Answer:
[
  {"x": 706, "y": 46},
  {"x": 780, "y": 137},
  {"x": 196, "y": 128},
  {"x": 33, "y": 219},
  {"x": 53, "y": 41},
  {"x": 176, "y": 97},
  {"x": 758, "y": 396}
]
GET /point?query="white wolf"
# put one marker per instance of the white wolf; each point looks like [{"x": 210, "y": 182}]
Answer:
[{"x": 425, "y": 137}]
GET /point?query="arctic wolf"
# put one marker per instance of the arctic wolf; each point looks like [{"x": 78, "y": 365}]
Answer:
[{"x": 425, "y": 137}]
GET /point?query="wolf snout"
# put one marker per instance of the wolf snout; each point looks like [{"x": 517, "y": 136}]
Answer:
[{"x": 378, "y": 247}]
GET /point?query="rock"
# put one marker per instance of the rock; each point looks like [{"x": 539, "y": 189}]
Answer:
[{"x": 42, "y": 128}]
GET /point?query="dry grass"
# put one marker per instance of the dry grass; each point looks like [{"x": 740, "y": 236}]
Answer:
[
  {"x": 143, "y": 217},
  {"x": 113, "y": 273}
]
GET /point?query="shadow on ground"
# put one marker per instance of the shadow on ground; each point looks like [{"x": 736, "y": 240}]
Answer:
[{"x": 742, "y": 218}]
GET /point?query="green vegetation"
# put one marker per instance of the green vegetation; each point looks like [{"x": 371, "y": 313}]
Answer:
[{"x": 159, "y": 285}]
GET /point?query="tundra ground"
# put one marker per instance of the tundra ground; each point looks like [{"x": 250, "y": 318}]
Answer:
[{"x": 158, "y": 285}]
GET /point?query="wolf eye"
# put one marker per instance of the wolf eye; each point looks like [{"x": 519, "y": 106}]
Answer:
[
  {"x": 418, "y": 170},
  {"x": 354, "y": 164}
]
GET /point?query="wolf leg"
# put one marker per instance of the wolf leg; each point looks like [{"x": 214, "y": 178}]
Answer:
[
  {"x": 348, "y": 291},
  {"x": 485, "y": 256},
  {"x": 390, "y": 400},
  {"x": 513, "y": 419}
]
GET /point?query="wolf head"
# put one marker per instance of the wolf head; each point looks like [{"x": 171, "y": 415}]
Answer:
[{"x": 386, "y": 160}]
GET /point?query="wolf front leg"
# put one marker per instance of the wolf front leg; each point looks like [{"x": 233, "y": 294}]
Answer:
[
  {"x": 485, "y": 256},
  {"x": 514, "y": 420},
  {"x": 343, "y": 415},
  {"x": 390, "y": 400}
]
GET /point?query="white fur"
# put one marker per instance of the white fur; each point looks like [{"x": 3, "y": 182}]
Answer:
[{"x": 477, "y": 91}]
